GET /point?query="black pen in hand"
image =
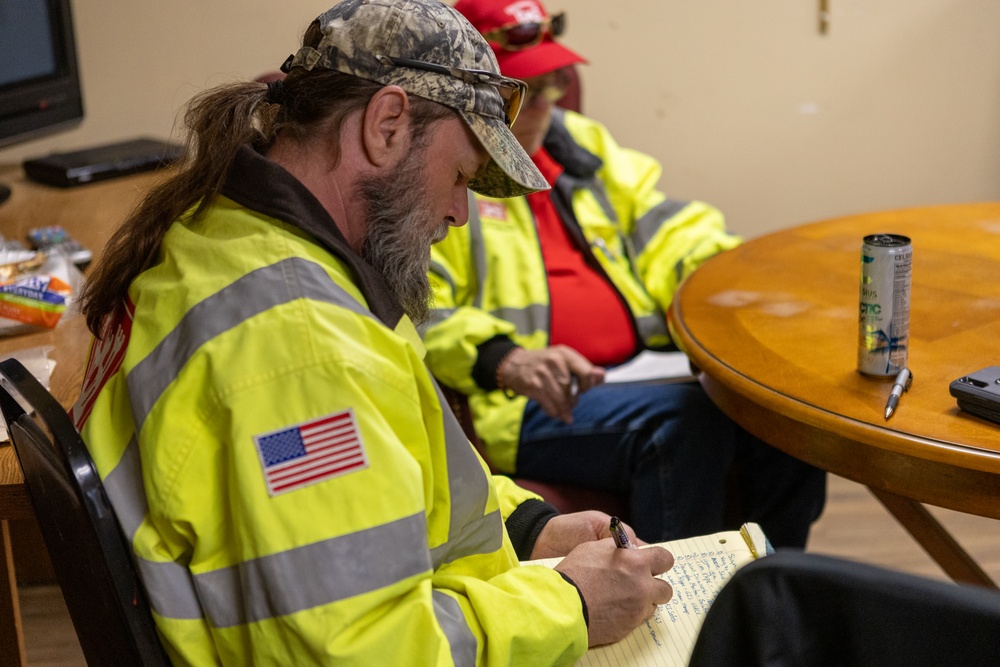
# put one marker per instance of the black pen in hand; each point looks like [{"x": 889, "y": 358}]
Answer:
[{"x": 620, "y": 536}]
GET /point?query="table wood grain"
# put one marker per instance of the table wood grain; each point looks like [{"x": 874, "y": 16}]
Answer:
[{"x": 773, "y": 327}]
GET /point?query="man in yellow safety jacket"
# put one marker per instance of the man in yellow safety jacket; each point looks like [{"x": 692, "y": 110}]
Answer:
[
  {"x": 539, "y": 293},
  {"x": 256, "y": 402}
]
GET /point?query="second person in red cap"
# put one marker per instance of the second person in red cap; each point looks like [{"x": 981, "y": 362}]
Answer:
[{"x": 538, "y": 294}]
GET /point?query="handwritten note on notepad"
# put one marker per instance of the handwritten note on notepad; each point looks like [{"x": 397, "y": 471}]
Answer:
[{"x": 702, "y": 565}]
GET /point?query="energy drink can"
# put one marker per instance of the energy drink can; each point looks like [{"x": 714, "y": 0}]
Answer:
[{"x": 884, "y": 320}]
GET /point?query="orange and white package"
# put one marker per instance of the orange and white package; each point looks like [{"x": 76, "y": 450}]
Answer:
[{"x": 32, "y": 300}]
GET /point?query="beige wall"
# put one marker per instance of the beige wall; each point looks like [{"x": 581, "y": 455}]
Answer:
[
  {"x": 751, "y": 108},
  {"x": 745, "y": 102}
]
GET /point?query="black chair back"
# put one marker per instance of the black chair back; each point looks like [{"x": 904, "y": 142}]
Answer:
[
  {"x": 92, "y": 561},
  {"x": 793, "y": 609}
]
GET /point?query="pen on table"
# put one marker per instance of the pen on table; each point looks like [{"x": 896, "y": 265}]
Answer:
[
  {"x": 620, "y": 536},
  {"x": 902, "y": 383}
]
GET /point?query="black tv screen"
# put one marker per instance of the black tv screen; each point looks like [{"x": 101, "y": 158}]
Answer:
[{"x": 39, "y": 77}]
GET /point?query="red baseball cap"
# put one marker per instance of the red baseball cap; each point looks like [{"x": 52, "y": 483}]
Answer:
[{"x": 525, "y": 63}]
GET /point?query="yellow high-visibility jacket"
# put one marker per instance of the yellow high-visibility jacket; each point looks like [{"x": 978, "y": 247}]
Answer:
[
  {"x": 490, "y": 283},
  {"x": 295, "y": 490}
]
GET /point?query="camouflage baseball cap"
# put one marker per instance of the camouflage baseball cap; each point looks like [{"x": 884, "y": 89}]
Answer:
[{"x": 428, "y": 49}]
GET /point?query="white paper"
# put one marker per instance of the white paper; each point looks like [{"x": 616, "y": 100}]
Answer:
[
  {"x": 650, "y": 366},
  {"x": 702, "y": 566}
]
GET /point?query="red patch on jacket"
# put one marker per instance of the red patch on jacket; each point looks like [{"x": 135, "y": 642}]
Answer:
[{"x": 106, "y": 357}]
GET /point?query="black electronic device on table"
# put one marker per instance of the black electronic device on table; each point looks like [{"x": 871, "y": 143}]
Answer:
[
  {"x": 979, "y": 393},
  {"x": 55, "y": 239},
  {"x": 102, "y": 162}
]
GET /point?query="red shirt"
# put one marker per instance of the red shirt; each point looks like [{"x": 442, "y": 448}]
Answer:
[{"x": 586, "y": 311}]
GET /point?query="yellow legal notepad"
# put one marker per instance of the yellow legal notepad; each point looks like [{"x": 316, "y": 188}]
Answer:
[{"x": 701, "y": 566}]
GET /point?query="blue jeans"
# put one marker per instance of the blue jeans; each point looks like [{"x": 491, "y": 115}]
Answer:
[{"x": 672, "y": 453}]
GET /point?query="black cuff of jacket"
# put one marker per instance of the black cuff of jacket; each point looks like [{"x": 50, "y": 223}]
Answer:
[
  {"x": 489, "y": 356},
  {"x": 583, "y": 602},
  {"x": 525, "y": 524}
]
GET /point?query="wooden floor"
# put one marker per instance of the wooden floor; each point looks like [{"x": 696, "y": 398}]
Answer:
[{"x": 853, "y": 526}]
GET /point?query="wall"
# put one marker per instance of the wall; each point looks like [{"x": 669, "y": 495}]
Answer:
[
  {"x": 751, "y": 108},
  {"x": 141, "y": 60},
  {"x": 747, "y": 105}
]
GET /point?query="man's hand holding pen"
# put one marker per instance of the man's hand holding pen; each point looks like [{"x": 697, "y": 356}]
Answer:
[
  {"x": 620, "y": 535},
  {"x": 554, "y": 377},
  {"x": 620, "y": 585}
]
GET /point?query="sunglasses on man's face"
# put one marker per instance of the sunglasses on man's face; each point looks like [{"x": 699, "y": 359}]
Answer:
[
  {"x": 512, "y": 91},
  {"x": 518, "y": 36},
  {"x": 549, "y": 87}
]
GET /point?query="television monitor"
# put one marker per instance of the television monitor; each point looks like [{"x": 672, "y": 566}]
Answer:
[{"x": 39, "y": 76}]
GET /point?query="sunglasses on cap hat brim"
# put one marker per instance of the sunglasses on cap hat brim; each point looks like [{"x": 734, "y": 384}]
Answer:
[
  {"x": 512, "y": 91},
  {"x": 518, "y": 36}
]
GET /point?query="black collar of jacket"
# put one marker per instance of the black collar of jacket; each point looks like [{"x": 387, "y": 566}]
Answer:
[
  {"x": 257, "y": 183},
  {"x": 576, "y": 160}
]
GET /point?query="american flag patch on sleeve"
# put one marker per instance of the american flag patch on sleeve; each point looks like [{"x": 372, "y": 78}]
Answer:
[{"x": 311, "y": 452}]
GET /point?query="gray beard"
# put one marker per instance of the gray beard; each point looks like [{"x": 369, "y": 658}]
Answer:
[{"x": 397, "y": 243}]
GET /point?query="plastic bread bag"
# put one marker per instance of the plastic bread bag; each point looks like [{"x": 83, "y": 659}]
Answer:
[
  {"x": 36, "y": 360},
  {"x": 36, "y": 290}
]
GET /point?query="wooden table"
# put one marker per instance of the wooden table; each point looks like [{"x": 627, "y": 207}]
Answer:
[
  {"x": 90, "y": 214},
  {"x": 773, "y": 328}
]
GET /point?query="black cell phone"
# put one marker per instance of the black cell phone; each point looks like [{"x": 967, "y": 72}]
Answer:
[{"x": 979, "y": 393}]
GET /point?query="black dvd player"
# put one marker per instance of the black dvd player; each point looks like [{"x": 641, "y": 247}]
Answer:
[{"x": 102, "y": 162}]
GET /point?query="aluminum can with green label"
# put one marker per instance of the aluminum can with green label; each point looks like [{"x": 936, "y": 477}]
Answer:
[{"x": 884, "y": 318}]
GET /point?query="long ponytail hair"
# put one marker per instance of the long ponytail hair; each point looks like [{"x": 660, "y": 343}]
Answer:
[{"x": 313, "y": 106}]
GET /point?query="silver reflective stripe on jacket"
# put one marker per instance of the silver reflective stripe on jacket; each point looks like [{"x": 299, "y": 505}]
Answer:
[
  {"x": 477, "y": 248},
  {"x": 596, "y": 187},
  {"x": 123, "y": 485},
  {"x": 470, "y": 532},
  {"x": 527, "y": 320},
  {"x": 650, "y": 223},
  {"x": 245, "y": 593},
  {"x": 254, "y": 293},
  {"x": 366, "y": 561},
  {"x": 451, "y": 619},
  {"x": 651, "y": 326},
  {"x": 315, "y": 574}
]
